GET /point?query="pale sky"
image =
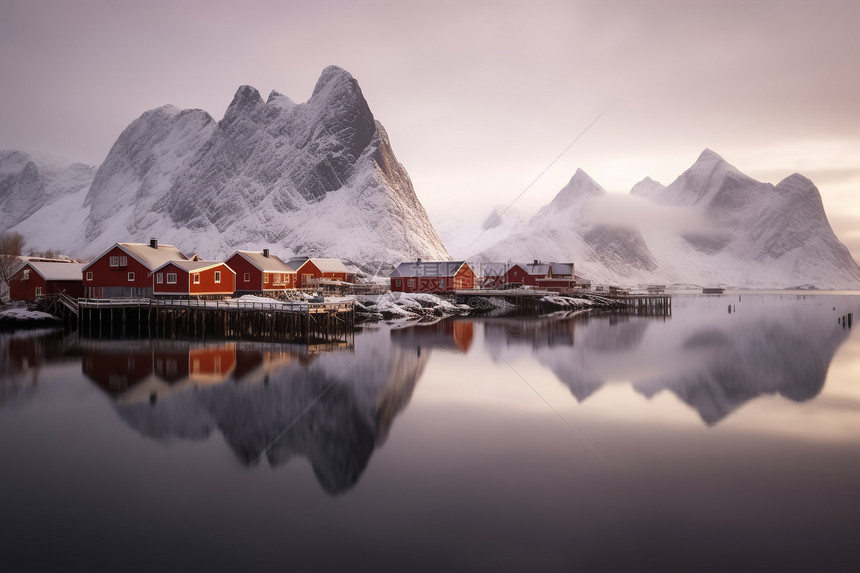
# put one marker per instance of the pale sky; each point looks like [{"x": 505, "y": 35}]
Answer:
[{"x": 477, "y": 97}]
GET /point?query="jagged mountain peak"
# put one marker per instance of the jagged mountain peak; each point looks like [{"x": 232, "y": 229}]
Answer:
[
  {"x": 246, "y": 100},
  {"x": 708, "y": 156},
  {"x": 580, "y": 187},
  {"x": 334, "y": 78},
  {"x": 647, "y": 188}
]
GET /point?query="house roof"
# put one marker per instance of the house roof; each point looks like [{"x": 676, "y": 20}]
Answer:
[
  {"x": 146, "y": 255},
  {"x": 58, "y": 271},
  {"x": 428, "y": 269},
  {"x": 562, "y": 268},
  {"x": 324, "y": 265},
  {"x": 192, "y": 266},
  {"x": 532, "y": 269},
  {"x": 270, "y": 264}
]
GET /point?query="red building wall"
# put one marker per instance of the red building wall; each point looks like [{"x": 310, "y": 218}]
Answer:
[
  {"x": 185, "y": 284},
  {"x": 518, "y": 275},
  {"x": 103, "y": 275},
  {"x": 255, "y": 278},
  {"x": 464, "y": 279},
  {"x": 25, "y": 290}
]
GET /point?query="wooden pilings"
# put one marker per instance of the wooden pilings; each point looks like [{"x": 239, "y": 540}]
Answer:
[{"x": 166, "y": 319}]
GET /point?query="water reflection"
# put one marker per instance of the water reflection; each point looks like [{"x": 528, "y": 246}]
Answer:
[
  {"x": 331, "y": 404},
  {"x": 711, "y": 360},
  {"x": 23, "y": 356}
]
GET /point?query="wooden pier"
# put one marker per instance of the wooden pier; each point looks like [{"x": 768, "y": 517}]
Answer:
[
  {"x": 529, "y": 302},
  {"x": 273, "y": 321}
]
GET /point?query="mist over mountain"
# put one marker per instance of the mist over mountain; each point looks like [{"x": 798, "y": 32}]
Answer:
[
  {"x": 318, "y": 178},
  {"x": 712, "y": 225}
]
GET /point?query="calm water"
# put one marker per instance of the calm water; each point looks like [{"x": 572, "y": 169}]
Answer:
[{"x": 725, "y": 437}]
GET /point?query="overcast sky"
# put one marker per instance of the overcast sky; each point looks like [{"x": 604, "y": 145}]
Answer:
[{"x": 477, "y": 97}]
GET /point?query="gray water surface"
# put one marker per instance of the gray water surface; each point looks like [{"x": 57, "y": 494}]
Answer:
[{"x": 723, "y": 437}]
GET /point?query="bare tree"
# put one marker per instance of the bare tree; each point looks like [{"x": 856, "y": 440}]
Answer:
[{"x": 11, "y": 246}]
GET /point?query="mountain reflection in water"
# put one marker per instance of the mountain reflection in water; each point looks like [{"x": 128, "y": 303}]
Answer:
[
  {"x": 332, "y": 404},
  {"x": 335, "y": 404},
  {"x": 761, "y": 346}
]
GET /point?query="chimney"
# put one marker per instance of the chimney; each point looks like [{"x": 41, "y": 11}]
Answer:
[
  {"x": 266, "y": 253},
  {"x": 419, "y": 261},
  {"x": 537, "y": 262},
  {"x": 153, "y": 242}
]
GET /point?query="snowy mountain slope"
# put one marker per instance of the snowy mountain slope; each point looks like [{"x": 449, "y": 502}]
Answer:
[
  {"x": 317, "y": 179},
  {"x": 465, "y": 238},
  {"x": 28, "y": 183},
  {"x": 566, "y": 230},
  {"x": 712, "y": 225},
  {"x": 756, "y": 234}
]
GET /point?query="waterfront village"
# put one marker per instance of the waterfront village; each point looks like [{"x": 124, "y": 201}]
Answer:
[{"x": 141, "y": 275}]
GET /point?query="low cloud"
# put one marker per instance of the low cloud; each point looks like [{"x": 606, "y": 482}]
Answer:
[{"x": 638, "y": 213}]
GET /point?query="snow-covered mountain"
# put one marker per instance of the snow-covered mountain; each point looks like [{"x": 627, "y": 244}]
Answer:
[
  {"x": 465, "y": 238},
  {"x": 712, "y": 225},
  {"x": 27, "y": 184},
  {"x": 318, "y": 178}
]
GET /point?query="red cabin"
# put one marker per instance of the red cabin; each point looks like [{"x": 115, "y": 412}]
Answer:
[
  {"x": 193, "y": 278},
  {"x": 551, "y": 276},
  {"x": 261, "y": 272},
  {"x": 36, "y": 279},
  {"x": 124, "y": 270},
  {"x": 432, "y": 276},
  {"x": 313, "y": 270}
]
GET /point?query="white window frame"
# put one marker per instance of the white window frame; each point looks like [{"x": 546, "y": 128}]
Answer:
[
  {"x": 159, "y": 278},
  {"x": 171, "y": 278},
  {"x": 89, "y": 275},
  {"x": 217, "y": 276},
  {"x": 26, "y": 276},
  {"x": 266, "y": 278},
  {"x": 410, "y": 283},
  {"x": 131, "y": 276},
  {"x": 247, "y": 277},
  {"x": 123, "y": 261},
  {"x": 195, "y": 278},
  {"x": 398, "y": 282},
  {"x": 38, "y": 291},
  {"x": 114, "y": 260}
]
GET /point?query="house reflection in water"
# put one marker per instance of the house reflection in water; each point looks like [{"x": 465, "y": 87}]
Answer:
[
  {"x": 132, "y": 373},
  {"x": 452, "y": 334},
  {"x": 537, "y": 333}
]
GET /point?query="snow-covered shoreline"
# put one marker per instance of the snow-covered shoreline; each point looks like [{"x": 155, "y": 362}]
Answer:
[{"x": 20, "y": 317}]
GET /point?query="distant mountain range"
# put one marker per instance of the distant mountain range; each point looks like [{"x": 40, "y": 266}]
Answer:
[
  {"x": 712, "y": 225},
  {"x": 318, "y": 178}
]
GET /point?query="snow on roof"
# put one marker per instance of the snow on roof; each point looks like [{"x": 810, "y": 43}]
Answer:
[
  {"x": 190, "y": 266},
  {"x": 145, "y": 254},
  {"x": 58, "y": 271},
  {"x": 329, "y": 265},
  {"x": 428, "y": 269},
  {"x": 562, "y": 268},
  {"x": 324, "y": 265},
  {"x": 535, "y": 269},
  {"x": 270, "y": 264}
]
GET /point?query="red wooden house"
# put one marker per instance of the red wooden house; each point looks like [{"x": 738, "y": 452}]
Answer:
[
  {"x": 311, "y": 270},
  {"x": 36, "y": 279},
  {"x": 261, "y": 272},
  {"x": 124, "y": 269},
  {"x": 432, "y": 276},
  {"x": 193, "y": 278},
  {"x": 551, "y": 276}
]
